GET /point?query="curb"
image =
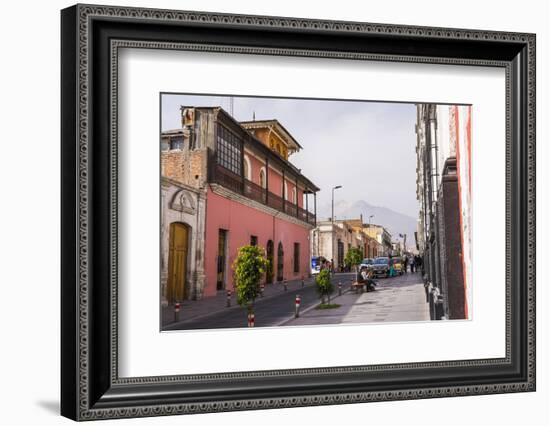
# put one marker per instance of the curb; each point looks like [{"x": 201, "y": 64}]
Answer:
[
  {"x": 173, "y": 326},
  {"x": 310, "y": 308},
  {"x": 168, "y": 327}
]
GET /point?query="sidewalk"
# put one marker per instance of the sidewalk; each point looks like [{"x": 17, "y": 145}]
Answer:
[
  {"x": 193, "y": 309},
  {"x": 391, "y": 302}
]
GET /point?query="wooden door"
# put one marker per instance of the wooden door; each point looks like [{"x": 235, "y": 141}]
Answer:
[
  {"x": 269, "y": 270},
  {"x": 280, "y": 262},
  {"x": 177, "y": 261},
  {"x": 222, "y": 259}
]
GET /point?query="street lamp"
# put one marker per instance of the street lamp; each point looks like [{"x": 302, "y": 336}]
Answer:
[
  {"x": 332, "y": 225},
  {"x": 370, "y": 217}
]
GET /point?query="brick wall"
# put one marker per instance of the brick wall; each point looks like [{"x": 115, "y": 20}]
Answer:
[{"x": 187, "y": 167}]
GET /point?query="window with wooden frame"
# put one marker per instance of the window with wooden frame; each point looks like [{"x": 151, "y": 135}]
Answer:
[
  {"x": 296, "y": 258},
  {"x": 176, "y": 142},
  {"x": 229, "y": 149}
]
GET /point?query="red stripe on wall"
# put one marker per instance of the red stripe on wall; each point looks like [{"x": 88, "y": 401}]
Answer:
[{"x": 458, "y": 163}]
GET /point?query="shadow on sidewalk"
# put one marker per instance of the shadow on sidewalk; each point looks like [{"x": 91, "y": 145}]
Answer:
[
  {"x": 191, "y": 310},
  {"x": 314, "y": 316}
]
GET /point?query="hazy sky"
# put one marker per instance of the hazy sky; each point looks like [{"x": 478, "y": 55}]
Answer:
[{"x": 367, "y": 147}]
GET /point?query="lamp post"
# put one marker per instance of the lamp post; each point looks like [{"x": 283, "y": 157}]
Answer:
[
  {"x": 332, "y": 226},
  {"x": 368, "y": 254}
]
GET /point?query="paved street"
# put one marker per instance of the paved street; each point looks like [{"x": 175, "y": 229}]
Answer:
[
  {"x": 275, "y": 307},
  {"x": 395, "y": 300}
]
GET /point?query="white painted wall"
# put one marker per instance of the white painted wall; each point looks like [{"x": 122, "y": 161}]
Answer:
[
  {"x": 466, "y": 201},
  {"x": 444, "y": 146},
  {"x": 29, "y": 311}
]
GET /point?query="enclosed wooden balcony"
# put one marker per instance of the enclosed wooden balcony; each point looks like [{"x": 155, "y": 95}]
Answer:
[{"x": 240, "y": 185}]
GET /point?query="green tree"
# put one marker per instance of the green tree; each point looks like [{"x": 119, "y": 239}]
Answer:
[
  {"x": 324, "y": 285},
  {"x": 249, "y": 267},
  {"x": 353, "y": 258}
]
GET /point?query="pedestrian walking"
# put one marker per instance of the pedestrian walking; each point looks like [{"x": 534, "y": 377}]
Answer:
[
  {"x": 405, "y": 263},
  {"x": 420, "y": 263},
  {"x": 392, "y": 268},
  {"x": 412, "y": 265}
]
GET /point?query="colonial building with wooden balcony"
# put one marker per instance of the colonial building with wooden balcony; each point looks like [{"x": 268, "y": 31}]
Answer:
[{"x": 254, "y": 195}]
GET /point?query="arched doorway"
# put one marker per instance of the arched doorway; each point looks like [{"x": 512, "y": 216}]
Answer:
[
  {"x": 280, "y": 262},
  {"x": 222, "y": 260},
  {"x": 269, "y": 271},
  {"x": 177, "y": 261}
]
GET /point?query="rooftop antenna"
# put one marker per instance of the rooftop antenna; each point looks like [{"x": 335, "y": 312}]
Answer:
[{"x": 253, "y": 115}]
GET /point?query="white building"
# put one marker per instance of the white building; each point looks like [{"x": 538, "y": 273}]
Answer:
[{"x": 333, "y": 240}]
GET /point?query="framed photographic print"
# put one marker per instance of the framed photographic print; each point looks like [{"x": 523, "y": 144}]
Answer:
[{"x": 263, "y": 212}]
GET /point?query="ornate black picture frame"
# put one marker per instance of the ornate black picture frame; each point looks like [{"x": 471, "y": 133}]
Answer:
[{"x": 91, "y": 387}]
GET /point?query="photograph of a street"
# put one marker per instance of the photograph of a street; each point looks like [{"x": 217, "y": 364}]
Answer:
[{"x": 306, "y": 212}]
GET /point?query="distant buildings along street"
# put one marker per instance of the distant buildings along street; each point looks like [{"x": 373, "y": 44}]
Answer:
[{"x": 332, "y": 240}]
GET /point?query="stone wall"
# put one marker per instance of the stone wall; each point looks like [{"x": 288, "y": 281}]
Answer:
[{"x": 183, "y": 204}]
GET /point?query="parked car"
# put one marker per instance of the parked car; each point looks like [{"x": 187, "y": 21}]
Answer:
[
  {"x": 318, "y": 263},
  {"x": 366, "y": 263},
  {"x": 397, "y": 265},
  {"x": 381, "y": 266}
]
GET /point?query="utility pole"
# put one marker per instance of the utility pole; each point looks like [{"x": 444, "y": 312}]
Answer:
[
  {"x": 332, "y": 226},
  {"x": 369, "y": 234}
]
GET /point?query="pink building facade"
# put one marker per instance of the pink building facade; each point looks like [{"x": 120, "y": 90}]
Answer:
[
  {"x": 254, "y": 196},
  {"x": 243, "y": 225}
]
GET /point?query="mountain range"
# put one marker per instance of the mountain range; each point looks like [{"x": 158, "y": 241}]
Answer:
[{"x": 396, "y": 223}]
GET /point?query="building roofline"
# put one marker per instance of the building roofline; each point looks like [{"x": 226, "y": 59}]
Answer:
[
  {"x": 258, "y": 144},
  {"x": 254, "y": 124}
]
